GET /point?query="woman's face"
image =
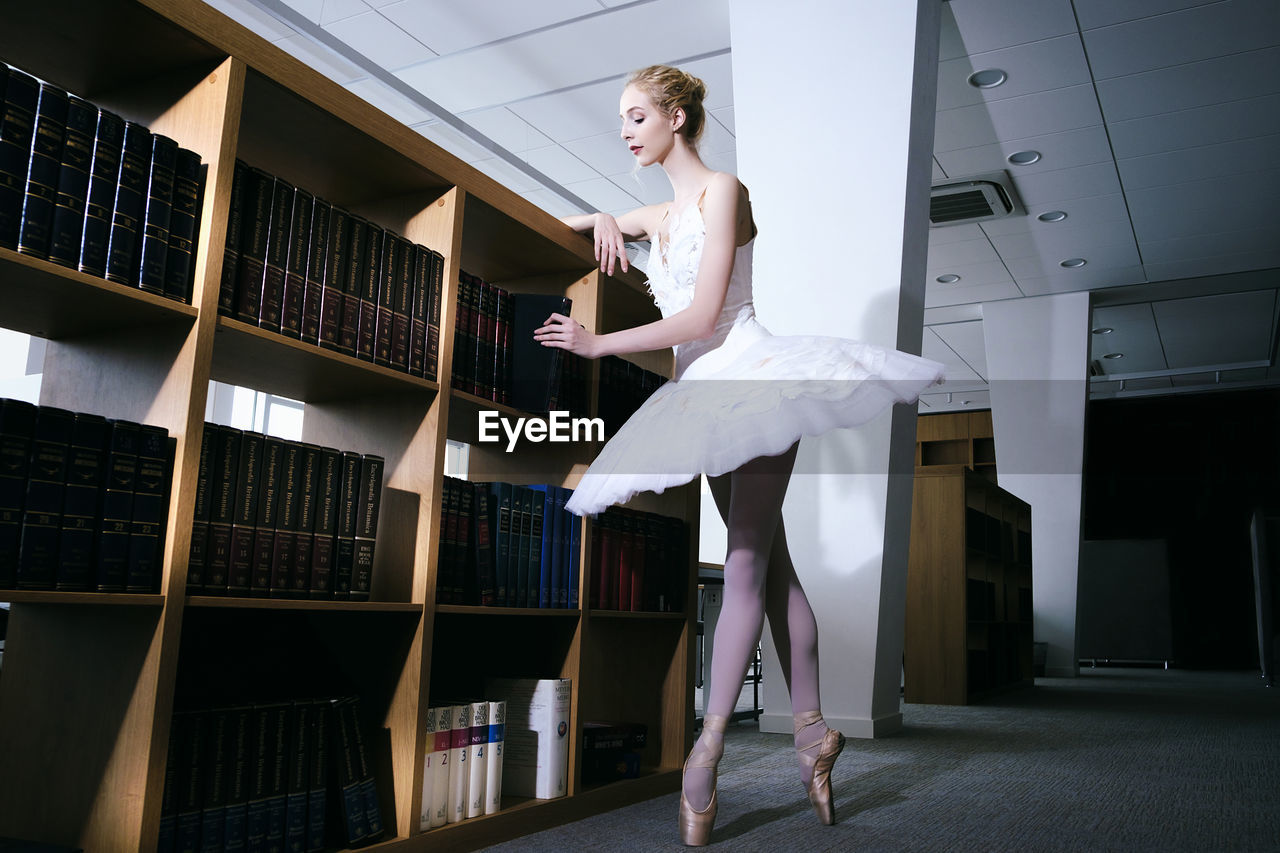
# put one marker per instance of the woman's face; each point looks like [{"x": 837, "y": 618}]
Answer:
[{"x": 647, "y": 132}]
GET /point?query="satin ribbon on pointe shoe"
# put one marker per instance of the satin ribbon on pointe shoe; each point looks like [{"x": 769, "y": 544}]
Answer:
[
  {"x": 695, "y": 826},
  {"x": 829, "y": 748}
]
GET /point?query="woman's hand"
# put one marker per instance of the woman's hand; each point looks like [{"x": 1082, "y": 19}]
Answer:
[
  {"x": 610, "y": 243},
  {"x": 565, "y": 333}
]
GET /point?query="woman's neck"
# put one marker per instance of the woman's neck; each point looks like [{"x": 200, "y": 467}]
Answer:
[{"x": 686, "y": 172}]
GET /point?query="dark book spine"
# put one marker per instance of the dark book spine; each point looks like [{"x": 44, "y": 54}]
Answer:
[
  {"x": 318, "y": 775},
  {"x": 17, "y": 124},
  {"x": 265, "y": 813},
  {"x": 117, "y": 507},
  {"x": 465, "y": 569},
  {"x": 304, "y": 531},
  {"x": 17, "y": 425},
  {"x": 386, "y": 299},
  {"x": 266, "y": 512},
  {"x": 295, "y": 268},
  {"x": 355, "y": 827},
  {"x": 248, "y": 480},
  {"x": 313, "y": 289},
  {"x": 259, "y": 191},
  {"x": 367, "y": 510},
  {"x": 285, "y": 540},
  {"x": 270, "y": 310},
  {"x": 184, "y": 218},
  {"x": 486, "y": 581},
  {"x": 169, "y": 799},
  {"x": 227, "y": 296},
  {"x": 149, "y": 510},
  {"x": 214, "y": 794},
  {"x": 370, "y": 276},
  {"x": 448, "y": 544},
  {"x": 101, "y": 196},
  {"x": 198, "y": 553},
  {"x": 357, "y": 256},
  {"x": 335, "y": 273},
  {"x": 67, "y": 228},
  {"x": 222, "y": 510},
  {"x": 278, "y": 778},
  {"x": 42, "y": 172},
  {"x": 86, "y": 468},
  {"x": 126, "y": 210},
  {"x": 401, "y": 307},
  {"x": 345, "y": 535},
  {"x": 419, "y": 310},
  {"x": 153, "y": 249},
  {"x": 461, "y": 326},
  {"x": 323, "y": 539},
  {"x": 368, "y": 787},
  {"x": 298, "y": 778},
  {"x": 475, "y": 344},
  {"x": 506, "y": 321},
  {"x": 436, "y": 295},
  {"x": 46, "y": 489},
  {"x": 191, "y": 772},
  {"x": 238, "y": 770}
]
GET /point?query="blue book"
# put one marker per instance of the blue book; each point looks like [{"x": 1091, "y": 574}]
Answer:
[
  {"x": 521, "y": 497},
  {"x": 544, "y": 544},
  {"x": 575, "y": 549},
  {"x": 560, "y": 584}
]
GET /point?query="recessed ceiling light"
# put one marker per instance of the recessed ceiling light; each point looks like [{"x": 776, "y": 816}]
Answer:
[
  {"x": 1103, "y": 330},
  {"x": 948, "y": 278},
  {"x": 1024, "y": 158},
  {"x": 1073, "y": 263},
  {"x": 1114, "y": 355},
  {"x": 988, "y": 78},
  {"x": 1052, "y": 216}
]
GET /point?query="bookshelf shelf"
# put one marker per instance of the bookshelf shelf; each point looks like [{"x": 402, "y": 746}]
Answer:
[
  {"x": 643, "y": 615},
  {"x": 471, "y": 610},
  {"x": 34, "y": 596},
  {"x": 241, "y": 603}
]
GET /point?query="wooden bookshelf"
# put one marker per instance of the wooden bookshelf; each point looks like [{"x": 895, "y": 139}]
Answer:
[
  {"x": 957, "y": 438},
  {"x": 90, "y": 682},
  {"x": 969, "y": 615}
]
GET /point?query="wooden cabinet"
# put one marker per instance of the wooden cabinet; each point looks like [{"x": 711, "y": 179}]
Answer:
[
  {"x": 90, "y": 681},
  {"x": 957, "y": 438},
  {"x": 969, "y": 611}
]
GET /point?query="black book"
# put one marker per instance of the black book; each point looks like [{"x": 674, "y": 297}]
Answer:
[
  {"x": 67, "y": 228},
  {"x": 101, "y": 196},
  {"x": 344, "y": 555},
  {"x": 318, "y": 774},
  {"x": 46, "y": 487},
  {"x": 402, "y": 304},
  {"x": 535, "y": 368},
  {"x": 313, "y": 289},
  {"x": 335, "y": 275},
  {"x": 461, "y": 378},
  {"x": 419, "y": 311},
  {"x": 277, "y": 776},
  {"x": 259, "y": 191},
  {"x": 349, "y": 799},
  {"x": 86, "y": 470},
  {"x": 42, "y": 172},
  {"x": 386, "y": 299},
  {"x": 237, "y": 769},
  {"x": 248, "y": 477},
  {"x": 357, "y": 257},
  {"x": 278, "y": 239},
  {"x": 266, "y": 501},
  {"x": 482, "y": 377},
  {"x": 214, "y": 794},
  {"x": 329, "y": 491},
  {"x": 436, "y": 295},
  {"x": 198, "y": 553},
  {"x": 126, "y": 210},
  {"x": 17, "y": 424},
  {"x": 117, "y": 507},
  {"x": 265, "y": 819},
  {"x": 222, "y": 509},
  {"x": 169, "y": 799},
  {"x": 464, "y": 566},
  {"x": 17, "y": 123},
  {"x": 284, "y": 539},
  {"x": 368, "y": 787},
  {"x": 150, "y": 510},
  {"x": 184, "y": 219},
  {"x": 298, "y": 777},
  {"x": 370, "y": 276},
  {"x": 482, "y": 551},
  {"x": 190, "y": 787},
  {"x": 153, "y": 248},
  {"x": 304, "y": 530},
  {"x": 295, "y": 267},
  {"x": 448, "y": 545},
  {"x": 367, "y": 509},
  {"x": 235, "y": 235}
]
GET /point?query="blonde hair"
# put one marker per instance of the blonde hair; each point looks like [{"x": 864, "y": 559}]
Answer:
[{"x": 671, "y": 89}]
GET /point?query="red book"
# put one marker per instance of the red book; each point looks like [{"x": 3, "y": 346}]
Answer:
[{"x": 626, "y": 560}]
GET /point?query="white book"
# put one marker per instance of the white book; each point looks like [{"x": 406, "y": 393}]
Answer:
[
  {"x": 493, "y": 772},
  {"x": 440, "y": 766},
  {"x": 428, "y": 770},
  {"x": 536, "y": 744},
  {"x": 458, "y": 776},
  {"x": 477, "y": 761}
]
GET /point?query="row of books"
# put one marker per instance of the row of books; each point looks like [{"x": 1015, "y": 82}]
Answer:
[
  {"x": 277, "y": 776},
  {"x": 462, "y": 770},
  {"x": 298, "y": 265},
  {"x": 84, "y": 188},
  {"x": 84, "y": 500},
  {"x": 507, "y": 545},
  {"x": 639, "y": 561},
  {"x": 624, "y": 386},
  {"x": 283, "y": 519}
]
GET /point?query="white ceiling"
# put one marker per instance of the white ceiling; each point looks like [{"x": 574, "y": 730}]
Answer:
[{"x": 1157, "y": 121}]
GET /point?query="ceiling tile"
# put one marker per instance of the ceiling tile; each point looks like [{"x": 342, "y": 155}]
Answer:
[
  {"x": 585, "y": 111},
  {"x": 506, "y": 174},
  {"x": 336, "y": 10},
  {"x": 935, "y": 349},
  {"x": 1016, "y": 118},
  {"x": 604, "y": 152},
  {"x": 550, "y": 202},
  {"x": 1197, "y": 84},
  {"x": 309, "y": 9},
  {"x": 559, "y": 165},
  {"x": 984, "y": 25},
  {"x": 451, "y": 27},
  {"x": 968, "y": 342},
  {"x": 649, "y": 186},
  {"x": 1226, "y": 203},
  {"x": 1066, "y": 184},
  {"x": 1254, "y": 240},
  {"x": 715, "y": 139},
  {"x": 1037, "y": 67},
  {"x": 976, "y": 251},
  {"x": 1102, "y": 13},
  {"x": 603, "y": 194},
  {"x": 1133, "y": 332},
  {"x": 1241, "y": 330},
  {"x": 1086, "y": 278},
  {"x": 1091, "y": 209},
  {"x": 1068, "y": 241},
  {"x": 1191, "y": 164},
  {"x": 258, "y": 20},
  {"x": 390, "y": 101},
  {"x": 1080, "y": 147},
  {"x": 725, "y": 116},
  {"x": 723, "y": 161},
  {"x": 507, "y": 129},
  {"x": 940, "y": 235},
  {"x": 1201, "y": 126},
  {"x": 321, "y": 59},
  {"x": 971, "y": 275},
  {"x": 716, "y": 73},
  {"x": 379, "y": 39},
  {"x": 937, "y": 296},
  {"x": 1100, "y": 257},
  {"x": 969, "y": 400},
  {"x": 1199, "y": 267},
  {"x": 455, "y": 142}
]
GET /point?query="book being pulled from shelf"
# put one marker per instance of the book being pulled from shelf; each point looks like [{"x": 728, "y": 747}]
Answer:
[
  {"x": 84, "y": 500},
  {"x": 536, "y": 747},
  {"x": 639, "y": 561},
  {"x": 507, "y": 545},
  {"x": 283, "y": 519},
  {"x": 462, "y": 768},
  {"x": 82, "y": 187},
  {"x": 290, "y": 775},
  {"x": 308, "y": 269}
]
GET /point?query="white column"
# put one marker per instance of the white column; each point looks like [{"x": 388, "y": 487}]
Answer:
[
  {"x": 1038, "y": 364},
  {"x": 834, "y": 111}
]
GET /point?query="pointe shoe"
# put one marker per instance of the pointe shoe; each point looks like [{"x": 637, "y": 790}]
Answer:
[
  {"x": 695, "y": 826},
  {"x": 829, "y": 749}
]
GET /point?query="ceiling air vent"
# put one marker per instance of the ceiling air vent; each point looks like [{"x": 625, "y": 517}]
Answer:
[{"x": 975, "y": 199}]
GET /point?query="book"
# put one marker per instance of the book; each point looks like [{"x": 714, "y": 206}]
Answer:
[
  {"x": 500, "y": 503},
  {"x": 42, "y": 172},
  {"x": 357, "y": 259},
  {"x": 611, "y": 750},
  {"x": 46, "y": 489},
  {"x": 150, "y": 510},
  {"x": 349, "y": 795},
  {"x": 318, "y": 773},
  {"x": 465, "y": 588},
  {"x": 369, "y": 502},
  {"x": 481, "y": 546},
  {"x": 459, "y": 770},
  {"x": 190, "y": 802},
  {"x": 335, "y": 275},
  {"x": 313, "y": 284},
  {"x": 278, "y": 238},
  {"x": 298, "y": 777},
  {"x": 17, "y": 424},
  {"x": 401, "y": 306},
  {"x": 295, "y": 267},
  {"x": 284, "y": 535},
  {"x": 541, "y": 580},
  {"x": 477, "y": 758},
  {"x": 101, "y": 194},
  {"x": 268, "y": 727},
  {"x": 263, "y": 497},
  {"x": 213, "y": 814},
  {"x": 435, "y": 295},
  {"x": 17, "y": 124},
  {"x": 575, "y": 557},
  {"x": 364, "y": 769},
  {"x": 127, "y": 209},
  {"x": 238, "y": 769},
  {"x": 344, "y": 552},
  {"x": 419, "y": 311},
  {"x": 254, "y": 448},
  {"x": 428, "y": 770},
  {"x": 522, "y": 529},
  {"x": 184, "y": 219},
  {"x": 157, "y": 207},
  {"x": 440, "y": 748},
  {"x": 199, "y": 550},
  {"x": 235, "y": 235},
  {"x": 560, "y": 551},
  {"x": 251, "y": 273},
  {"x": 460, "y": 377},
  {"x": 387, "y": 282},
  {"x": 323, "y": 537},
  {"x": 369, "y": 278},
  {"x": 224, "y": 466},
  {"x": 493, "y": 769},
  {"x": 277, "y": 775},
  {"x": 536, "y": 749},
  {"x": 67, "y": 226},
  {"x": 535, "y": 368},
  {"x": 304, "y": 532},
  {"x": 86, "y": 469}
]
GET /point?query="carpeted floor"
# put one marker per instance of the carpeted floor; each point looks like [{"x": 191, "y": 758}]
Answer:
[{"x": 1117, "y": 759}]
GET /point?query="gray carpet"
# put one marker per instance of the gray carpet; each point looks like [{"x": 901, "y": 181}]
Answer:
[{"x": 1117, "y": 759}]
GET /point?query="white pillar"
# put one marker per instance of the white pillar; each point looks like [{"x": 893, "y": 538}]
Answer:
[
  {"x": 834, "y": 110},
  {"x": 1038, "y": 366}
]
